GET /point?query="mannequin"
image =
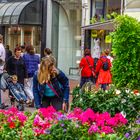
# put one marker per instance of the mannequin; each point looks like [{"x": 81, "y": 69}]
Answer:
[{"x": 96, "y": 48}]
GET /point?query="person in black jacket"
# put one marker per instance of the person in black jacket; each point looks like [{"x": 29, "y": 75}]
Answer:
[
  {"x": 8, "y": 52},
  {"x": 15, "y": 66}
]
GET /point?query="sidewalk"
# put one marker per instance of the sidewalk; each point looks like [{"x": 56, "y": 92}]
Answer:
[{"x": 73, "y": 79}]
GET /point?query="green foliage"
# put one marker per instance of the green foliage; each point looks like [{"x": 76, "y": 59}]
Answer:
[
  {"x": 126, "y": 49},
  {"x": 27, "y": 130},
  {"x": 134, "y": 130},
  {"x": 108, "y": 101},
  {"x": 67, "y": 130},
  {"x": 112, "y": 15}
]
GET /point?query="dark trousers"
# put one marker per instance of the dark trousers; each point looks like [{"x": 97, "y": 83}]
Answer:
[
  {"x": 55, "y": 101},
  {"x": 104, "y": 86},
  {"x": 86, "y": 79}
]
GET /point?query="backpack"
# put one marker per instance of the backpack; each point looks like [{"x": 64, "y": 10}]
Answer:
[{"x": 105, "y": 65}]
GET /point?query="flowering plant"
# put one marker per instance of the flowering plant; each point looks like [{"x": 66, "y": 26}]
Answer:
[
  {"x": 11, "y": 123},
  {"x": 112, "y": 101},
  {"x": 47, "y": 123},
  {"x": 134, "y": 130}
]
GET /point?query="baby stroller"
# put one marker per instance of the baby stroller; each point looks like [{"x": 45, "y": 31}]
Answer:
[{"x": 16, "y": 91}]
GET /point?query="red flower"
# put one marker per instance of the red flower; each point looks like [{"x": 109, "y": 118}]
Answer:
[
  {"x": 136, "y": 91},
  {"x": 12, "y": 125}
]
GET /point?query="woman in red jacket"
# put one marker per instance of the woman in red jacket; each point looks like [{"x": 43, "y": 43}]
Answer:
[
  {"x": 86, "y": 66},
  {"x": 103, "y": 68}
]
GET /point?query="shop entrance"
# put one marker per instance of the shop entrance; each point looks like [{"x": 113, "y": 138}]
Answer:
[{"x": 24, "y": 35}]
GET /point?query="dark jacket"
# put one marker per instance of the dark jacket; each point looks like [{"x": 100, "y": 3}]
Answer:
[
  {"x": 17, "y": 67},
  {"x": 60, "y": 83},
  {"x": 8, "y": 54},
  {"x": 31, "y": 62}
]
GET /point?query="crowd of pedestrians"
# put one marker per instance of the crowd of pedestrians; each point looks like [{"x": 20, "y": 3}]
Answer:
[
  {"x": 42, "y": 82},
  {"x": 33, "y": 79}
]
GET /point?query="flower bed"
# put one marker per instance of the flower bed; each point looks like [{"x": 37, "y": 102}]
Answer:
[
  {"x": 48, "y": 124},
  {"x": 112, "y": 101}
]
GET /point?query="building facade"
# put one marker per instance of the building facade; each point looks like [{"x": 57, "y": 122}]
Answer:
[
  {"x": 132, "y": 8},
  {"x": 44, "y": 23},
  {"x": 97, "y": 21}
]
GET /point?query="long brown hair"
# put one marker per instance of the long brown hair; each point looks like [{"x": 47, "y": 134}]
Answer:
[{"x": 44, "y": 72}]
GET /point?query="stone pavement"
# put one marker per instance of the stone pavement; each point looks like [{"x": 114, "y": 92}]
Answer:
[{"x": 73, "y": 79}]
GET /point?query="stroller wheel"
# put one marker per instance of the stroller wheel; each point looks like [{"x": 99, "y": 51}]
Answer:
[
  {"x": 20, "y": 107},
  {"x": 3, "y": 106}
]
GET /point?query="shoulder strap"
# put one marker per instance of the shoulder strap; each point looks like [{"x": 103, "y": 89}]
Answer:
[
  {"x": 88, "y": 64},
  {"x": 52, "y": 89}
]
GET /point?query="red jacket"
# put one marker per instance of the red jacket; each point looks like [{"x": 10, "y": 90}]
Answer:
[
  {"x": 104, "y": 77},
  {"x": 84, "y": 66}
]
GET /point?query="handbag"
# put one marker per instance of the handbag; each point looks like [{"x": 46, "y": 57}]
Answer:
[{"x": 91, "y": 68}]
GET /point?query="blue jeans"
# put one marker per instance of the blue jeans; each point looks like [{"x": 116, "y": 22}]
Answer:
[{"x": 18, "y": 92}]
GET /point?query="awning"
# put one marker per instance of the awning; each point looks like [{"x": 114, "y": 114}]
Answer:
[
  {"x": 107, "y": 25},
  {"x": 11, "y": 12},
  {"x": 132, "y": 4}
]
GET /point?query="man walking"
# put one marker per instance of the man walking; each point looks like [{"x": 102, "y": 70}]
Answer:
[{"x": 2, "y": 62}]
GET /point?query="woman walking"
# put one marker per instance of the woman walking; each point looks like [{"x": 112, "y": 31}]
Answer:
[
  {"x": 103, "y": 68},
  {"x": 86, "y": 66}
]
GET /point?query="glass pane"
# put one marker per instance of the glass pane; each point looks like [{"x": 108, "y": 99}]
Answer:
[
  {"x": 32, "y": 14},
  {"x": 2, "y": 4},
  {"x": 17, "y": 12},
  {"x": 99, "y": 8},
  {"x": 3, "y": 10},
  {"x": 113, "y": 6},
  {"x": 7, "y": 15}
]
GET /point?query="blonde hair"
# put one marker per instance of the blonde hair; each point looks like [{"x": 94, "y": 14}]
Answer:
[
  {"x": 14, "y": 78},
  {"x": 44, "y": 72}
]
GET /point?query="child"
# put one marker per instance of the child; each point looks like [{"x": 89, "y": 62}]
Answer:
[{"x": 17, "y": 90}]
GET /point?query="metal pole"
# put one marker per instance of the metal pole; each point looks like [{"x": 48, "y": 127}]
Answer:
[{"x": 44, "y": 27}]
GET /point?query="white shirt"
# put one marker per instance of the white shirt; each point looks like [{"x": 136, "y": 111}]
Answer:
[{"x": 2, "y": 56}]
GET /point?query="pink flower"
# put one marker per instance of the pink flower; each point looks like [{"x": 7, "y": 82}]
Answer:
[
  {"x": 112, "y": 122},
  {"x": 11, "y": 119},
  {"x": 100, "y": 119},
  {"x": 75, "y": 114},
  {"x": 39, "y": 131},
  {"x": 37, "y": 121},
  {"x": 22, "y": 118},
  {"x": 88, "y": 116},
  {"x": 106, "y": 115},
  {"x": 47, "y": 112},
  {"x": 121, "y": 119},
  {"x": 93, "y": 129},
  {"x": 106, "y": 129}
]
